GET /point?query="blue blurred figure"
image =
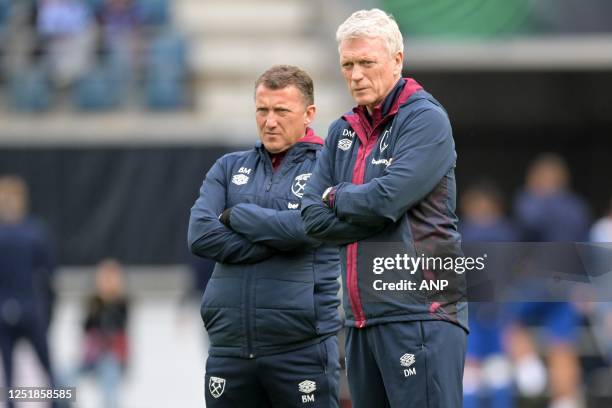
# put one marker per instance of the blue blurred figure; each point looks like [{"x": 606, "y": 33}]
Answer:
[
  {"x": 601, "y": 312},
  {"x": 487, "y": 375},
  {"x": 548, "y": 211},
  {"x": 26, "y": 269},
  {"x": 122, "y": 28}
]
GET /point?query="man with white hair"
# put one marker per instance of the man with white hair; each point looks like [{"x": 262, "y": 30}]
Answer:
[{"x": 385, "y": 181}]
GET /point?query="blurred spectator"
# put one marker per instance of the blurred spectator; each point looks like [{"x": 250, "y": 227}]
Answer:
[
  {"x": 105, "y": 350},
  {"x": 68, "y": 32},
  {"x": 120, "y": 18},
  {"x": 548, "y": 211},
  {"x": 487, "y": 375},
  {"x": 121, "y": 25},
  {"x": 26, "y": 268}
]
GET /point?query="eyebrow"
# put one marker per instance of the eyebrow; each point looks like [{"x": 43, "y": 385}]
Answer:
[{"x": 274, "y": 108}]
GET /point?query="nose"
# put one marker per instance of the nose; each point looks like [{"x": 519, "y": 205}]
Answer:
[
  {"x": 271, "y": 120},
  {"x": 356, "y": 73}
]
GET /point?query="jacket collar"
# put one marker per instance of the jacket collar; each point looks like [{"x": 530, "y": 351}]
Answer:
[
  {"x": 307, "y": 142},
  {"x": 399, "y": 95}
]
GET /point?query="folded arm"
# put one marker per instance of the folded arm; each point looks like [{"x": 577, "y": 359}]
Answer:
[
  {"x": 424, "y": 154},
  {"x": 320, "y": 221},
  {"x": 208, "y": 237},
  {"x": 282, "y": 230}
]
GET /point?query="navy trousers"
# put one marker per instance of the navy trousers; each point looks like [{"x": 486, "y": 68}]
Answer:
[
  {"x": 31, "y": 327},
  {"x": 406, "y": 365},
  {"x": 307, "y": 377}
]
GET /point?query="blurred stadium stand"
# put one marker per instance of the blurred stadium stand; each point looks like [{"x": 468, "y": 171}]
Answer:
[
  {"x": 115, "y": 161},
  {"x": 197, "y": 59},
  {"x": 487, "y": 19}
]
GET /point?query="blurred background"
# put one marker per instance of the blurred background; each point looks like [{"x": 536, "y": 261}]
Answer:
[{"x": 112, "y": 111}]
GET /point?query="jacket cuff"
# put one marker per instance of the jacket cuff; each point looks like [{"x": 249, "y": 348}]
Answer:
[{"x": 225, "y": 217}]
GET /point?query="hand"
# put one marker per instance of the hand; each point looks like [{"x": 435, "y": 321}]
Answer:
[
  {"x": 329, "y": 196},
  {"x": 224, "y": 217}
]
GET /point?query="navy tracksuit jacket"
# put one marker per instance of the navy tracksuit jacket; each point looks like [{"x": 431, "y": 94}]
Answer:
[
  {"x": 273, "y": 289},
  {"x": 395, "y": 183},
  {"x": 26, "y": 296},
  {"x": 393, "y": 189}
]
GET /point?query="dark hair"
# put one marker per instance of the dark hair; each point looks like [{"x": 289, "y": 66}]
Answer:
[{"x": 282, "y": 76}]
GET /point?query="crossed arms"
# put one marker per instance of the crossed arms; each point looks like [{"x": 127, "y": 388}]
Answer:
[
  {"x": 423, "y": 154},
  {"x": 256, "y": 233}
]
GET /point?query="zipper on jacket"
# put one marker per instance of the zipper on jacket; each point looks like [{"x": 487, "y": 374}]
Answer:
[
  {"x": 271, "y": 176},
  {"x": 365, "y": 149},
  {"x": 247, "y": 311},
  {"x": 372, "y": 135},
  {"x": 352, "y": 278}
]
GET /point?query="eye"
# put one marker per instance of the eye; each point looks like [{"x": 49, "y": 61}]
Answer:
[
  {"x": 347, "y": 65},
  {"x": 367, "y": 63}
]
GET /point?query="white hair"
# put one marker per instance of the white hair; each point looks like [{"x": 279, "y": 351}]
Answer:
[{"x": 373, "y": 23}]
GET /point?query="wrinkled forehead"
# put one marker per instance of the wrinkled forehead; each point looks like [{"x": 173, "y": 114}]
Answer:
[
  {"x": 289, "y": 95},
  {"x": 361, "y": 46}
]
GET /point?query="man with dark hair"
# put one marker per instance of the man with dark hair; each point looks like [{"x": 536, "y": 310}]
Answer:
[
  {"x": 282, "y": 76},
  {"x": 270, "y": 307}
]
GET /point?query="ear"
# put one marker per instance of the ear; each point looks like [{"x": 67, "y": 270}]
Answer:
[
  {"x": 309, "y": 115},
  {"x": 398, "y": 59}
]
